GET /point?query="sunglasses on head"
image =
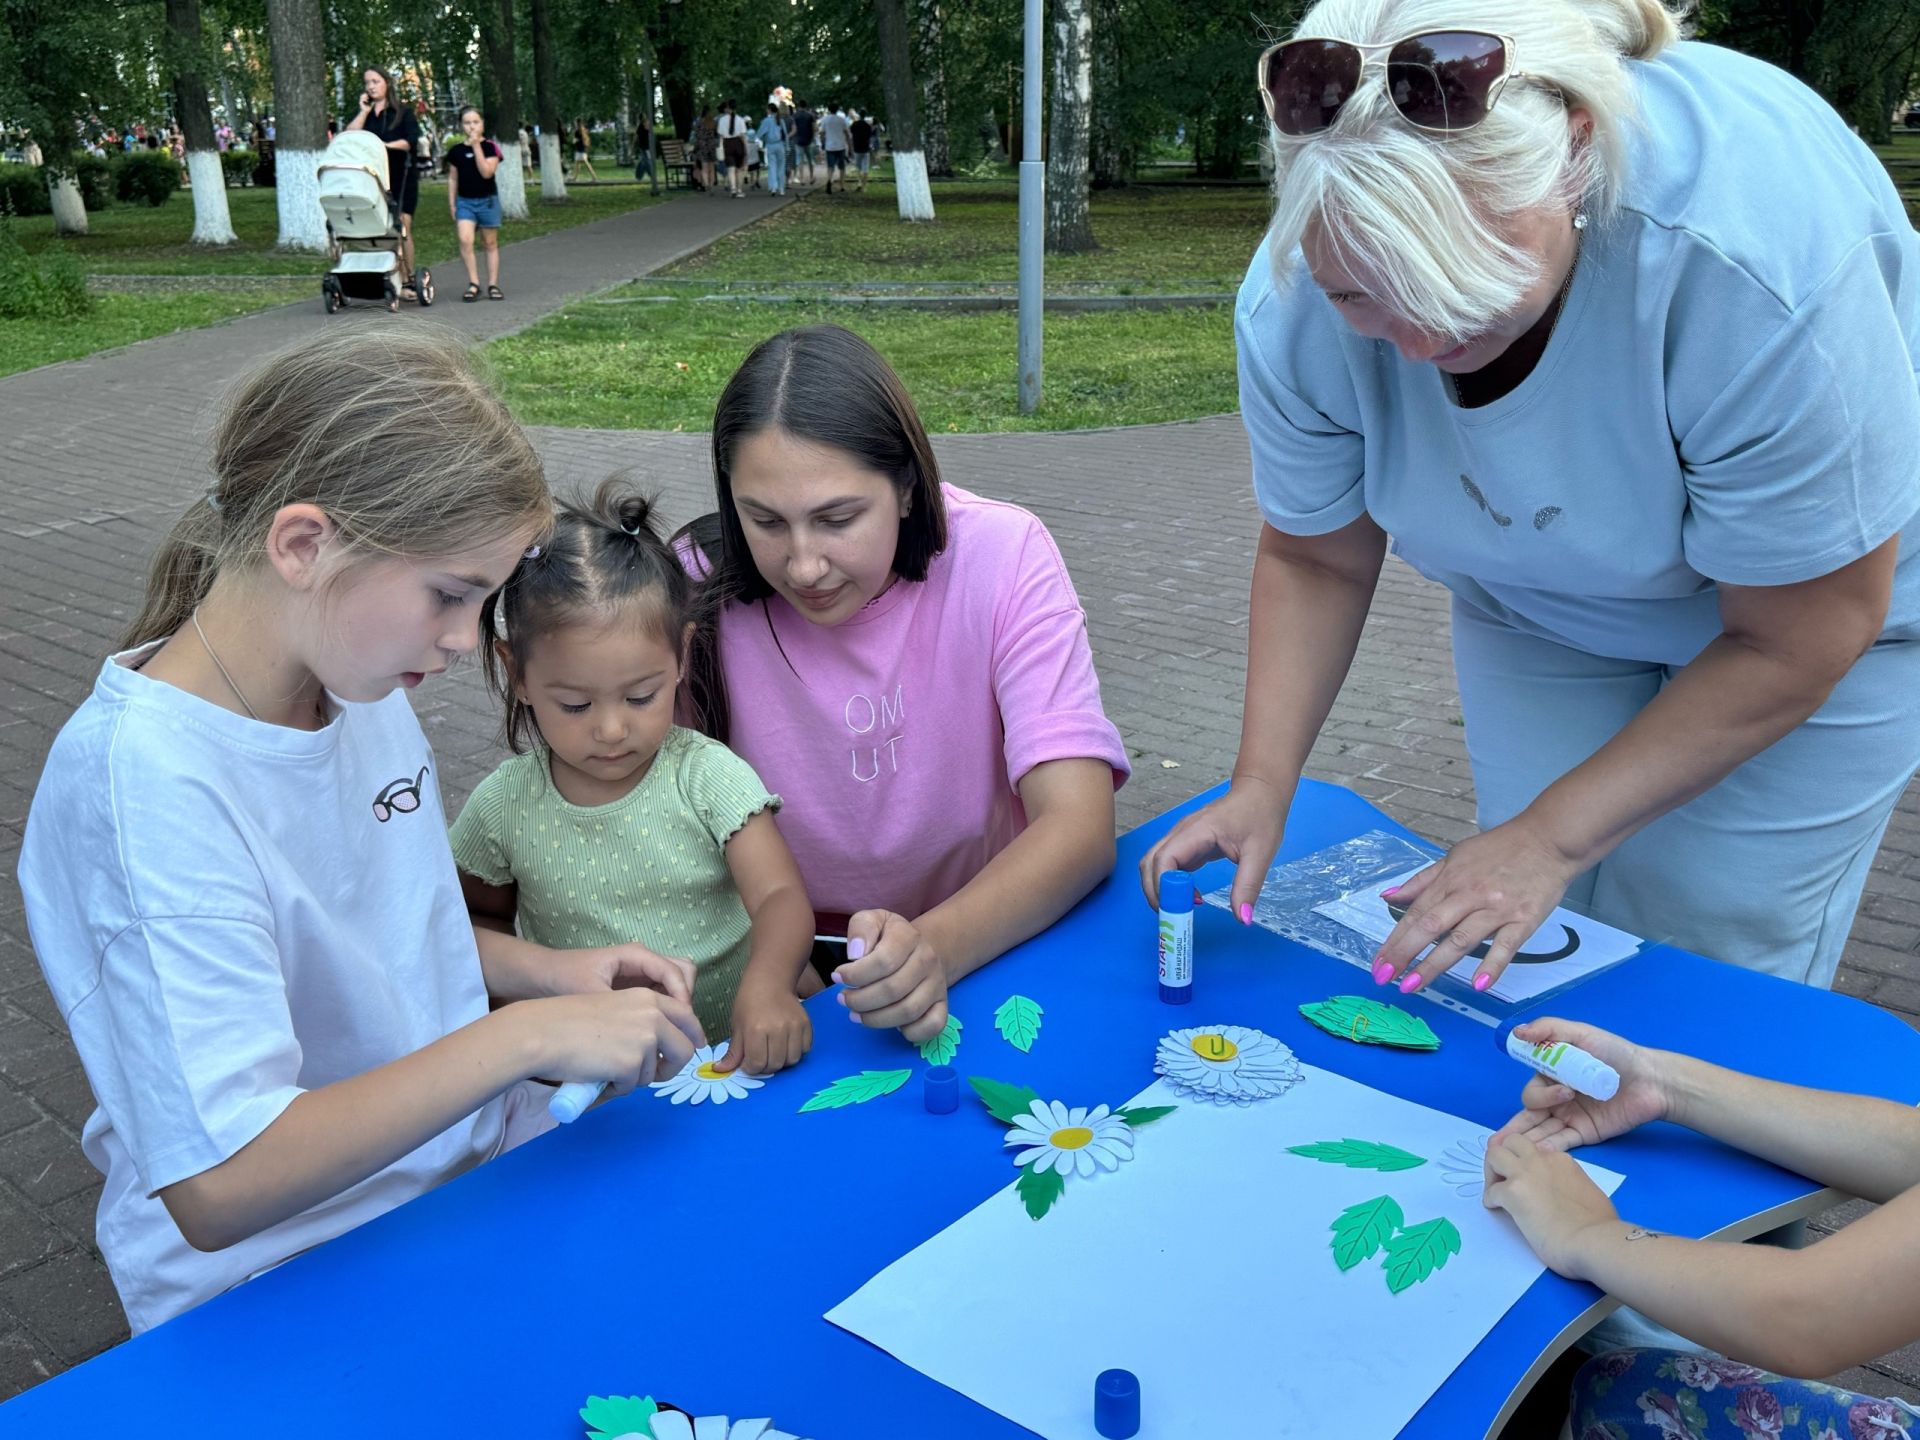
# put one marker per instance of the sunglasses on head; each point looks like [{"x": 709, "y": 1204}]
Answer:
[{"x": 1439, "y": 80}]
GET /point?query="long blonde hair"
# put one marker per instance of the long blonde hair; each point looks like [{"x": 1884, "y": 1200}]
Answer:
[
  {"x": 1419, "y": 216},
  {"x": 392, "y": 433}
]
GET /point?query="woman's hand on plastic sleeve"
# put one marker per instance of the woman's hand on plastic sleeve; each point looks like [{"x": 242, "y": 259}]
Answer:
[
  {"x": 1558, "y": 1117},
  {"x": 1244, "y": 825},
  {"x": 1497, "y": 886}
]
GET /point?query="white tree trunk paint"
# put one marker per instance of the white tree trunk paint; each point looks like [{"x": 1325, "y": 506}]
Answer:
[
  {"x": 212, "y": 224},
  {"x": 910, "y": 178},
  {"x": 69, "y": 213},
  {"x": 296, "y": 181},
  {"x": 553, "y": 178},
  {"x": 513, "y": 181}
]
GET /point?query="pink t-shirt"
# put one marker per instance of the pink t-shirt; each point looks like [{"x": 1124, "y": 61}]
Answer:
[{"x": 897, "y": 737}]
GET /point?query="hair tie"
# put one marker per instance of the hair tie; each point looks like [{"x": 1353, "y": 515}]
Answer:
[
  {"x": 630, "y": 527},
  {"x": 533, "y": 553},
  {"x": 213, "y": 501}
]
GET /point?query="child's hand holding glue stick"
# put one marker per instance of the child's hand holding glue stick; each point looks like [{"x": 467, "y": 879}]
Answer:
[{"x": 1576, "y": 1065}]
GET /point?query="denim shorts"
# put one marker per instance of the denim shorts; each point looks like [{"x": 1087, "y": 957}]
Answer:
[{"x": 484, "y": 212}]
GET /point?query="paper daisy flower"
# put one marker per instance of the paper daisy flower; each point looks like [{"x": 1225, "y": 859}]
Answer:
[
  {"x": 671, "y": 1425},
  {"x": 1463, "y": 1165},
  {"x": 1227, "y": 1064},
  {"x": 1073, "y": 1142},
  {"x": 698, "y": 1081}
]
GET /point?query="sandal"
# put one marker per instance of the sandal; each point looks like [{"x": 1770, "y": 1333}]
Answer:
[
  {"x": 472, "y": 294},
  {"x": 494, "y": 292},
  {"x": 407, "y": 292}
]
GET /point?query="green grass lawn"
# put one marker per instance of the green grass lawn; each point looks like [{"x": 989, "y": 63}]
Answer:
[
  {"x": 152, "y": 240},
  {"x": 661, "y": 365},
  {"x": 1149, "y": 239},
  {"x": 121, "y": 319}
]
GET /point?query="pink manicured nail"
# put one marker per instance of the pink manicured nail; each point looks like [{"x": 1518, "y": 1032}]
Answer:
[
  {"x": 1246, "y": 913},
  {"x": 1411, "y": 983},
  {"x": 838, "y": 978},
  {"x": 1382, "y": 973},
  {"x": 1482, "y": 980},
  {"x": 854, "y": 1016},
  {"x": 1389, "y": 894},
  {"x": 856, "y": 947}
]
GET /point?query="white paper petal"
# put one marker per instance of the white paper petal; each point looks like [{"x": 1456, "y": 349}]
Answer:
[
  {"x": 750, "y": 1429},
  {"x": 670, "y": 1425},
  {"x": 710, "y": 1427}
]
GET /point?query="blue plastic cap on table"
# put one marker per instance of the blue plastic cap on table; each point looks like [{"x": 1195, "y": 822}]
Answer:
[
  {"x": 1116, "y": 1404},
  {"x": 942, "y": 1089}
]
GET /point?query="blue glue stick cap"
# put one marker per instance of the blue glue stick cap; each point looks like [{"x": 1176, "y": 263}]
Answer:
[
  {"x": 942, "y": 1089},
  {"x": 1176, "y": 891},
  {"x": 1116, "y": 1404}
]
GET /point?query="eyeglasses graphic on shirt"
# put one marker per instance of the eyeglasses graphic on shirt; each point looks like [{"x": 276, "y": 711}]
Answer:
[{"x": 401, "y": 797}]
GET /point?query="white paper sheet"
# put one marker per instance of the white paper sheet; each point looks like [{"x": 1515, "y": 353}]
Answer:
[
  {"x": 1596, "y": 946},
  {"x": 1205, "y": 1267}
]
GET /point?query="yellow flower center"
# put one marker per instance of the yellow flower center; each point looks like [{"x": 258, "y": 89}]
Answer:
[
  {"x": 1072, "y": 1138},
  {"x": 707, "y": 1072},
  {"x": 1216, "y": 1048}
]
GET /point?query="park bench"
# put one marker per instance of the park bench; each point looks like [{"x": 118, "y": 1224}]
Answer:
[{"x": 673, "y": 159}]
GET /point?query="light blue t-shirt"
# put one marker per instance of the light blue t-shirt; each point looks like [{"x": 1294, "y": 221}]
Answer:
[{"x": 1729, "y": 394}]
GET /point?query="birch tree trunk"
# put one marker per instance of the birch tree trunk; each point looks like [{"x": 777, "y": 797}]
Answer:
[
  {"x": 1069, "y": 224},
  {"x": 546, "y": 104},
  {"x": 1109, "y": 159},
  {"x": 930, "y": 66},
  {"x": 298, "y": 39},
  {"x": 903, "y": 119},
  {"x": 503, "y": 96},
  {"x": 212, "y": 223}
]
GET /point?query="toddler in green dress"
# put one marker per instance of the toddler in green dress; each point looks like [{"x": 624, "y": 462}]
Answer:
[{"x": 611, "y": 824}]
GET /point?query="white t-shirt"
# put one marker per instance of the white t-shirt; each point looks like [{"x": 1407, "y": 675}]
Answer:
[
  {"x": 733, "y": 127},
  {"x": 834, "y": 129},
  {"x": 226, "y": 920}
]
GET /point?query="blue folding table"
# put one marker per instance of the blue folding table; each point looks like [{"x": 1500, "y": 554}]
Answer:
[{"x": 690, "y": 1254}]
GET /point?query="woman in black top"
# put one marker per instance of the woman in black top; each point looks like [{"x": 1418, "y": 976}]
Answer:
[
  {"x": 473, "y": 198},
  {"x": 393, "y": 124}
]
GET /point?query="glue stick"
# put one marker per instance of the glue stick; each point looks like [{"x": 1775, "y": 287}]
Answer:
[
  {"x": 572, "y": 1099},
  {"x": 1176, "y": 937},
  {"x": 1568, "y": 1064}
]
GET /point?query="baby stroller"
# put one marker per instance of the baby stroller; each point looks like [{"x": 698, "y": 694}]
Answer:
[{"x": 364, "y": 241}]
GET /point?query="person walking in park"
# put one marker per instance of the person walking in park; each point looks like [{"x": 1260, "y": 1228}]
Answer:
[
  {"x": 804, "y": 122},
  {"x": 473, "y": 198},
  {"x": 833, "y": 139},
  {"x": 583, "y": 152},
  {"x": 706, "y": 144},
  {"x": 860, "y": 142},
  {"x": 773, "y": 143},
  {"x": 1686, "y": 631},
  {"x": 733, "y": 139},
  {"x": 396, "y": 127},
  {"x": 643, "y": 152}
]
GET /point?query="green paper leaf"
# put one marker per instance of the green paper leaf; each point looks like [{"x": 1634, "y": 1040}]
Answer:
[
  {"x": 1146, "y": 1114},
  {"x": 940, "y": 1049},
  {"x": 1019, "y": 1020},
  {"x": 1358, "y": 1154},
  {"x": 1038, "y": 1192},
  {"x": 1419, "y": 1250},
  {"x": 1362, "y": 1229},
  {"x": 1370, "y": 1022},
  {"x": 857, "y": 1089},
  {"x": 1003, "y": 1101},
  {"x": 609, "y": 1415}
]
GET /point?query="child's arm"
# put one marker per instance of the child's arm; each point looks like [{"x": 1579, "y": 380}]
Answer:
[
  {"x": 517, "y": 969},
  {"x": 770, "y": 1026},
  {"x": 900, "y": 975},
  {"x": 484, "y": 163},
  {"x": 332, "y": 1138},
  {"x": 1805, "y": 1312},
  {"x": 492, "y": 907}
]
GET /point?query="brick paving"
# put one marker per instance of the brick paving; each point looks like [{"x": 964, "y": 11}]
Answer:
[{"x": 100, "y": 454}]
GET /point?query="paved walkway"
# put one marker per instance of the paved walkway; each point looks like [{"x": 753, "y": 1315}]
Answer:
[{"x": 100, "y": 453}]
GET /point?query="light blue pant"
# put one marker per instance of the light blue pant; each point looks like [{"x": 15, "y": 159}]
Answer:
[
  {"x": 776, "y": 168},
  {"x": 1765, "y": 869}
]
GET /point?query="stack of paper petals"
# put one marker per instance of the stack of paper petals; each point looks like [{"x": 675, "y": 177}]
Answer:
[{"x": 1227, "y": 1064}]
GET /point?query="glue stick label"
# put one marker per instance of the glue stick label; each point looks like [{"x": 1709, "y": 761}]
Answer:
[{"x": 1176, "y": 948}]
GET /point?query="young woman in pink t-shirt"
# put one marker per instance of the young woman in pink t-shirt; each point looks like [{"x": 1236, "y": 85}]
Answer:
[{"x": 906, "y": 664}]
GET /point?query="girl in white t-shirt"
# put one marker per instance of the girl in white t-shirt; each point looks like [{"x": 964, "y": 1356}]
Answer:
[{"x": 236, "y": 867}]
